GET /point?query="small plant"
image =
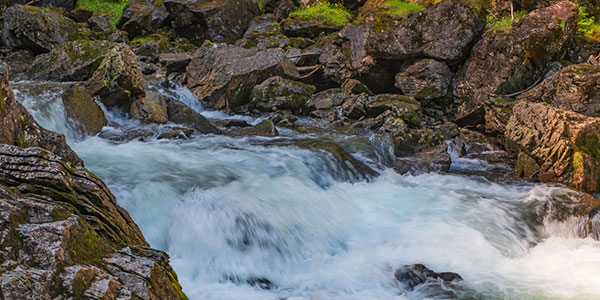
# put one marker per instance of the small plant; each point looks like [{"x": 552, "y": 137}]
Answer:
[
  {"x": 504, "y": 23},
  {"x": 588, "y": 25},
  {"x": 334, "y": 14},
  {"x": 112, "y": 9},
  {"x": 400, "y": 9}
]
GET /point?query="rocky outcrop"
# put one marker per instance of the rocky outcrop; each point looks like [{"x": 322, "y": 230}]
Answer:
[
  {"x": 277, "y": 93},
  {"x": 35, "y": 28},
  {"x": 17, "y": 126},
  {"x": 555, "y": 145},
  {"x": 425, "y": 79},
  {"x": 71, "y": 61},
  {"x": 576, "y": 88},
  {"x": 419, "y": 35},
  {"x": 142, "y": 17},
  {"x": 180, "y": 113},
  {"x": 81, "y": 108},
  {"x": 214, "y": 20},
  {"x": 223, "y": 76},
  {"x": 510, "y": 60},
  {"x": 118, "y": 81}
]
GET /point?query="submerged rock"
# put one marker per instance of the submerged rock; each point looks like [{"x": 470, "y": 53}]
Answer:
[
  {"x": 224, "y": 75},
  {"x": 555, "y": 145},
  {"x": 35, "y": 28},
  {"x": 82, "y": 108}
]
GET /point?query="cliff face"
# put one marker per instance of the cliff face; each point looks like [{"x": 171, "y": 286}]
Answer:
[{"x": 62, "y": 234}]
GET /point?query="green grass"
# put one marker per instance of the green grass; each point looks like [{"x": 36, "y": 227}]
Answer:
[
  {"x": 400, "y": 9},
  {"x": 333, "y": 14},
  {"x": 113, "y": 10},
  {"x": 505, "y": 22},
  {"x": 588, "y": 24}
]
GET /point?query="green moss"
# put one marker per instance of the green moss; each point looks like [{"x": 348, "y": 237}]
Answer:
[
  {"x": 333, "y": 14},
  {"x": 1, "y": 99},
  {"x": 400, "y": 9},
  {"x": 112, "y": 9},
  {"x": 20, "y": 141},
  {"x": 590, "y": 144},
  {"x": 85, "y": 246},
  {"x": 588, "y": 25},
  {"x": 504, "y": 23}
]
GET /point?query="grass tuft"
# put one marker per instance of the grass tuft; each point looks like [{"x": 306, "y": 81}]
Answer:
[
  {"x": 400, "y": 9},
  {"x": 504, "y": 23},
  {"x": 112, "y": 9},
  {"x": 334, "y": 14}
]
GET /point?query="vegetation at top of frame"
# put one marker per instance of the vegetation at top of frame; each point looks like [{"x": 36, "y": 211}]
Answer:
[
  {"x": 112, "y": 9},
  {"x": 332, "y": 13},
  {"x": 506, "y": 22},
  {"x": 588, "y": 24}
]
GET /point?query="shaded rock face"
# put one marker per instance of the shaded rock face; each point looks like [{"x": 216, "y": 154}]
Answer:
[
  {"x": 35, "y": 28},
  {"x": 152, "y": 108},
  {"x": 71, "y": 61},
  {"x": 180, "y": 113},
  {"x": 279, "y": 93},
  {"x": 68, "y": 5},
  {"x": 511, "y": 60},
  {"x": 555, "y": 145},
  {"x": 445, "y": 32},
  {"x": 576, "y": 88},
  {"x": 82, "y": 108},
  {"x": 214, "y": 20},
  {"x": 142, "y": 17},
  {"x": 425, "y": 79},
  {"x": 280, "y": 8},
  {"x": 118, "y": 81},
  {"x": 18, "y": 61},
  {"x": 224, "y": 76},
  {"x": 263, "y": 32},
  {"x": 414, "y": 275},
  {"x": 17, "y": 126},
  {"x": 175, "y": 62}
]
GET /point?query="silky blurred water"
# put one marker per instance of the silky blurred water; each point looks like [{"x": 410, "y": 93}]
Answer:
[{"x": 231, "y": 210}]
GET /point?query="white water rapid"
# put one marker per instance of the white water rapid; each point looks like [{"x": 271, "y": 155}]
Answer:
[{"x": 238, "y": 215}]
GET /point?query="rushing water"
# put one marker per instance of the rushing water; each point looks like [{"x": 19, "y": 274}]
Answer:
[{"x": 233, "y": 213}]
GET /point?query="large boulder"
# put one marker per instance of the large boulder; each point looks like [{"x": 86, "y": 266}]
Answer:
[
  {"x": 71, "y": 61},
  {"x": 17, "y": 126},
  {"x": 84, "y": 110},
  {"x": 36, "y": 28},
  {"x": 180, "y": 113},
  {"x": 445, "y": 31},
  {"x": 510, "y": 60},
  {"x": 425, "y": 79},
  {"x": 142, "y": 17},
  {"x": 279, "y": 93},
  {"x": 555, "y": 145},
  {"x": 224, "y": 75},
  {"x": 214, "y": 20},
  {"x": 118, "y": 81},
  {"x": 576, "y": 88}
]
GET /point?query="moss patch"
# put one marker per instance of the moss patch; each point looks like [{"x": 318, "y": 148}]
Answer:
[
  {"x": 112, "y": 9},
  {"x": 85, "y": 246},
  {"x": 504, "y": 23},
  {"x": 588, "y": 24},
  {"x": 590, "y": 144},
  {"x": 400, "y": 9},
  {"x": 334, "y": 14}
]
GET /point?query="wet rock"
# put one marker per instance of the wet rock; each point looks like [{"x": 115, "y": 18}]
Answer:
[
  {"x": 403, "y": 107},
  {"x": 35, "y": 28},
  {"x": 217, "y": 21},
  {"x": 223, "y": 76},
  {"x": 409, "y": 141},
  {"x": 576, "y": 88},
  {"x": 432, "y": 160},
  {"x": 511, "y": 60},
  {"x": 555, "y": 145},
  {"x": 265, "y": 128},
  {"x": 175, "y": 62},
  {"x": 71, "y": 61},
  {"x": 150, "y": 109},
  {"x": 17, "y": 126},
  {"x": 425, "y": 79},
  {"x": 264, "y": 32},
  {"x": 142, "y": 17},
  {"x": 82, "y": 108},
  {"x": 279, "y": 93},
  {"x": 118, "y": 81},
  {"x": 180, "y": 113},
  {"x": 353, "y": 86},
  {"x": 418, "y": 35},
  {"x": 326, "y": 99},
  {"x": 414, "y": 275},
  {"x": 354, "y": 108}
]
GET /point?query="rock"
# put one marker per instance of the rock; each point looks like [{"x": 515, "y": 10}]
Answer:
[
  {"x": 265, "y": 128},
  {"x": 118, "y": 81},
  {"x": 409, "y": 141},
  {"x": 520, "y": 55},
  {"x": 353, "y": 86},
  {"x": 101, "y": 24},
  {"x": 68, "y": 5},
  {"x": 432, "y": 160},
  {"x": 17, "y": 126},
  {"x": 142, "y": 17},
  {"x": 326, "y": 99},
  {"x": 308, "y": 27},
  {"x": 180, "y": 113},
  {"x": 403, "y": 107},
  {"x": 71, "y": 61},
  {"x": 581, "y": 48},
  {"x": 223, "y": 76},
  {"x": 150, "y": 109},
  {"x": 264, "y": 32},
  {"x": 18, "y": 61},
  {"x": 425, "y": 79},
  {"x": 82, "y": 108},
  {"x": 280, "y": 8},
  {"x": 279, "y": 93},
  {"x": 555, "y": 145},
  {"x": 217, "y": 21},
  {"x": 80, "y": 15},
  {"x": 412, "y": 276},
  {"x": 576, "y": 88},
  {"x": 35, "y": 28},
  {"x": 354, "y": 107},
  {"x": 175, "y": 62},
  {"x": 418, "y": 35}
]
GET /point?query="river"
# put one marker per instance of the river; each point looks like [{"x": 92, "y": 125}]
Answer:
[{"x": 258, "y": 218}]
